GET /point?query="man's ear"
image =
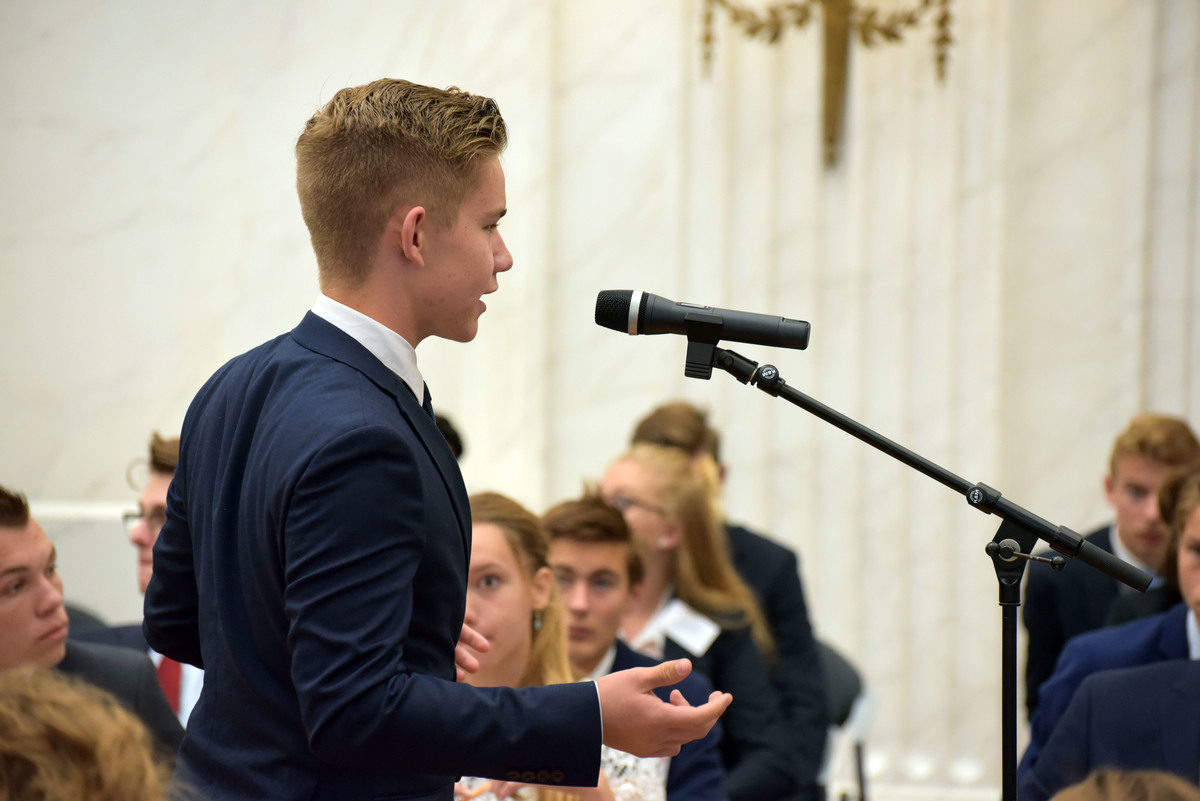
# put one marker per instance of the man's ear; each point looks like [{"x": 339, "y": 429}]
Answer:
[
  {"x": 410, "y": 226},
  {"x": 1110, "y": 487}
]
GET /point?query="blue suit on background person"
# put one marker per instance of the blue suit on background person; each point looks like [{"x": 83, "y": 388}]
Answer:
[
  {"x": 1158, "y": 638},
  {"x": 696, "y": 773},
  {"x": 1141, "y": 718}
]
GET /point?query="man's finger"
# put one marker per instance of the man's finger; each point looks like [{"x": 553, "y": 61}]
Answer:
[
  {"x": 677, "y": 698},
  {"x": 667, "y": 673}
]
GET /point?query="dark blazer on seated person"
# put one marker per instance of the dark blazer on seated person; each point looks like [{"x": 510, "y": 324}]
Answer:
[
  {"x": 1060, "y": 605},
  {"x": 696, "y": 772},
  {"x": 314, "y": 563},
  {"x": 130, "y": 636},
  {"x": 759, "y": 765},
  {"x": 1157, "y": 638},
  {"x": 772, "y": 572},
  {"x": 129, "y": 676},
  {"x": 1142, "y": 718}
]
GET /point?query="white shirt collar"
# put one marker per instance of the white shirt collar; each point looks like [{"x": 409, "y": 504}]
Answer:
[
  {"x": 1126, "y": 555},
  {"x": 605, "y": 666},
  {"x": 1193, "y": 635},
  {"x": 396, "y": 353}
]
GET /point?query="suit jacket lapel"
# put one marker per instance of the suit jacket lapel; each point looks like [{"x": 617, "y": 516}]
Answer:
[
  {"x": 1172, "y": 642},
  {"x": 321, "y": 336}
]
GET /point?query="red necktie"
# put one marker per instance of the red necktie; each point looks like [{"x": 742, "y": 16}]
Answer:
[{"x": 168, "y": 677}]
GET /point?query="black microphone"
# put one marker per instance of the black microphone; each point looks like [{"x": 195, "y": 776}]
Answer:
[{"x": 637, "y": 312}]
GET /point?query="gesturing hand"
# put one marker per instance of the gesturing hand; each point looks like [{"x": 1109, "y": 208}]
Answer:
[{"x": 639, "y": 722}]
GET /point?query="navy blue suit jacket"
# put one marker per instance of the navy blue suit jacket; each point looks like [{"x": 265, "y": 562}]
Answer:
[
  {"x": 131, "y": 678},
  {"x": 1060, "y": 605},
  {"x": 1157, "y": 638},
  {"x": 130, "y": 636},
  {"x": 314, "y": 563},
  {"x": 772, "y": 572},
  {"x": 1142, "y": 718},
  {"x": 696, "y": 772},
  {"x": 754, "y": 747}
]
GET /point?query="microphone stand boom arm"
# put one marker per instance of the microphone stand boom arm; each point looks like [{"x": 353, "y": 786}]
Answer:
[{"x": 1017, "y": 533}]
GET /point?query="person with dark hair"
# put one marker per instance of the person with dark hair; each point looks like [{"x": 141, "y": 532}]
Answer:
[
  {"x": 1061, "y": 604},
  {"x": 598, "y": 565},
  {"x": 314, "y": 557},
  {"x": 772, "y": 571},
  {"x": 34, "y": 625},
  {"x": 453, "y": 438}
]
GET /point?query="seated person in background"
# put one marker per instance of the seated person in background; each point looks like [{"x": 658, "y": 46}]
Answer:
[
  {"x": 181, "y": 683},
  {"x": 1142, "y": 718},
  {"x": 772, "y": 572},
  {"x": 513, "y": 602},
  {"x": 598, "y": 566},
  {"x": 64, "y": 740},
  {"x": 1130, "y": 785},
  {"x": 450, "y": 434},
  {"x": 1062, "y": 604},
  {"x": 1174, "y": 634},
  {"x": 33, "y": 626},
  {"x": 694, "y": 604}
]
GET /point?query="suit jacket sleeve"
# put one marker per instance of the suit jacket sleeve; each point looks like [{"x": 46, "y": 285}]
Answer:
[
  {"x": 170, "y": 608},
  {"x": 1066, "y": 758},
  {"x": 797, "y": 671},
  {"x": 754, "y": 748},
  {"x": 1046, "y": 636},
  {"x": 696, "y": 772},
  {"x": 152, "y": 707}
]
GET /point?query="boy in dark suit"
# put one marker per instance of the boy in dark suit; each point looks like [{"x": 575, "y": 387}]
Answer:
[
  {"x": 317, "y": 540},
  {"x": 33, "y": 626},
  {"x": 599, "y": 568},
  {"x": 1062, "y": 604}
]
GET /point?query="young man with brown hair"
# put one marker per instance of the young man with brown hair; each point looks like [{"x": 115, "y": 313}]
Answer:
[
  {"x": 317, "y": 539},
  {"x": 34, "y": 626},
  {"x": 1062, "y": 604},
  {"x": 598, "y": 565}
]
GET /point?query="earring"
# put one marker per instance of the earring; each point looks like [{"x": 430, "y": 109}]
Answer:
[{"x": 537, "y": 619}]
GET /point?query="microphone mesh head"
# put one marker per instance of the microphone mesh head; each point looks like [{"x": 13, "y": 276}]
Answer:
[{"x": 612, "y": 309}]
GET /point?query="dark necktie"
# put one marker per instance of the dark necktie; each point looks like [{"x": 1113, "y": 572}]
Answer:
[{"x": 427, "y": 405}]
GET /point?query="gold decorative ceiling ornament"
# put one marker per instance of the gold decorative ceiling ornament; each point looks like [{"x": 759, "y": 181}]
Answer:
[{"x": 839, "y": 18}]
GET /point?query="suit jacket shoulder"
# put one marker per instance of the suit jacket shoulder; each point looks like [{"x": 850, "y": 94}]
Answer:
[
  {"x": 130, "y": 677},
  {"x": 1158, "y": 638},
  {"x": 1140, "y": 718},
  {"x": 130, "y": 636},
  {"x": 773, "y": 573}
]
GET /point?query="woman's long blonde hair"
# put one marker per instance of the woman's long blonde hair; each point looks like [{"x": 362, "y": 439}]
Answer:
[
  {"x": 549, "y": 659},
  {"x": 704, "y": 575}
]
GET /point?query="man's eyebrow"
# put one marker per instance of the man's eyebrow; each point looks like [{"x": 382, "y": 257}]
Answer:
[{"x": 14, "y": 570}]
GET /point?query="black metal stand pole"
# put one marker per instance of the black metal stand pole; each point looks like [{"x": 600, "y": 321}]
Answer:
[{"x": 1009, "y": 550}]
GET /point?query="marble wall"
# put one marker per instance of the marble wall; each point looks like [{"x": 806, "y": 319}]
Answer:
[{"x": 1002, "y": 268}]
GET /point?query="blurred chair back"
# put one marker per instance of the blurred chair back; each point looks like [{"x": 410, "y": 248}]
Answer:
[{"x": 849, "y": 708}]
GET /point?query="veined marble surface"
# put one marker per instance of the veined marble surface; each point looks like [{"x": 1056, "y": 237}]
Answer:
[{"x": 1001, "y": 270}]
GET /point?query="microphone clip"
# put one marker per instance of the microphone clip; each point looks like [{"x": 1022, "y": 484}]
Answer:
[{"x": 1009, "y": 550}]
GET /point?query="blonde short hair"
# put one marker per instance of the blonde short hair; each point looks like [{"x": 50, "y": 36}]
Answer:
[{"x": 375, "y": 148}]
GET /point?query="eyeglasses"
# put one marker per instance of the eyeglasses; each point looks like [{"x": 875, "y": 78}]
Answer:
[
  {"x": 623, "y": 504},
  {"x": 154, "y": 520}
]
